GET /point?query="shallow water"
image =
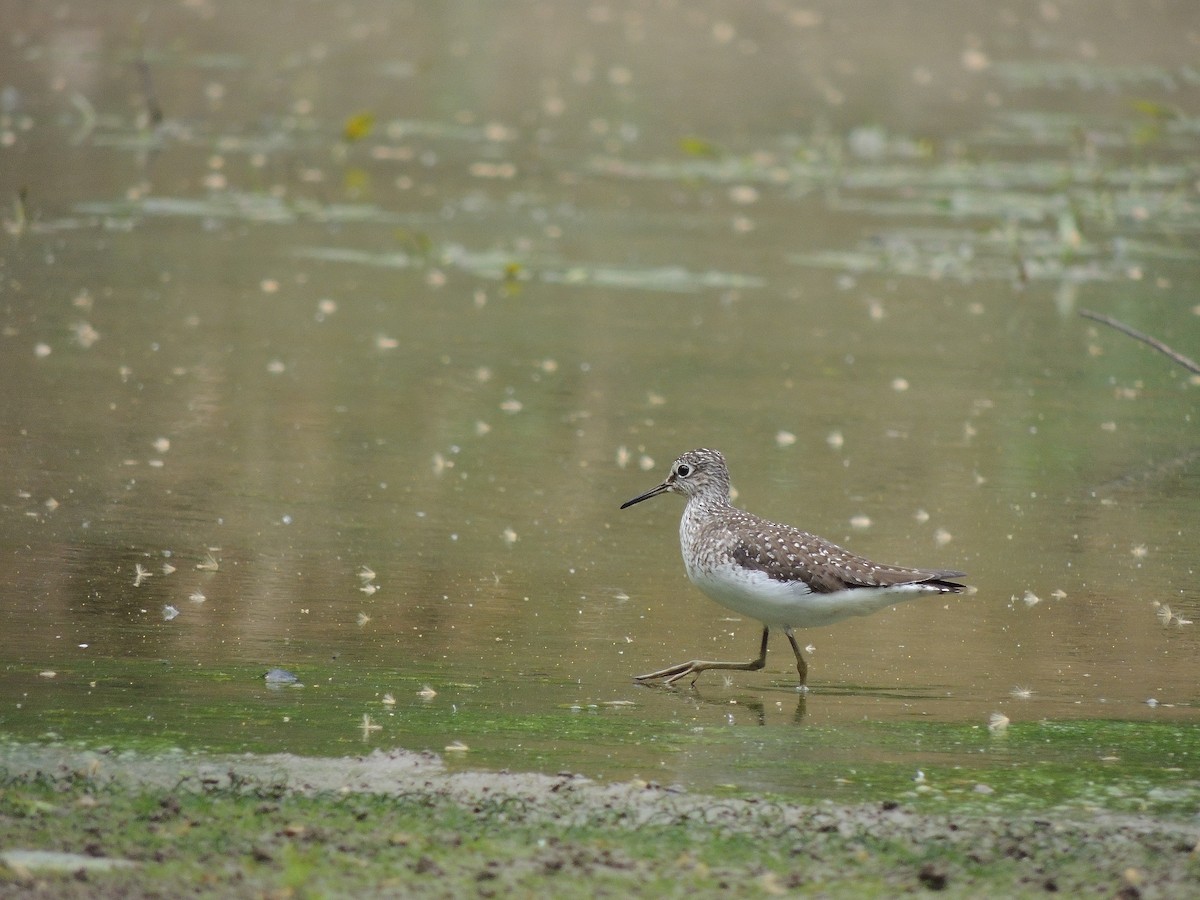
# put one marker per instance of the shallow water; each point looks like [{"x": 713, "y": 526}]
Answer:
[{"x": 430, "y": 290}]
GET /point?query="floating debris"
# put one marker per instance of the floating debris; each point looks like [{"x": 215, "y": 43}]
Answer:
[
  {"x": 85, "y": 334},
  {"x": 1167, "y": 617},
  {"x": 76, "y": 865},
  {"x": 784, "y": 439},
  {"x": 485, "y": 169},
  {"x": 358, "y": 126},
  {"x": 1083, "y": 75},
  {"x": 245, "y": 207},
  {"x": 498, "y": 266},
  {"x": 743, "y": 194}
]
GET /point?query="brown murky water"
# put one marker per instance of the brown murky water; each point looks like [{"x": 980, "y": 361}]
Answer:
[{"x": 430, "y": 289}]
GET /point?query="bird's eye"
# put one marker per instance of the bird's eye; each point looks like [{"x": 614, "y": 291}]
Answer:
[{"x": 683, "y": 470}]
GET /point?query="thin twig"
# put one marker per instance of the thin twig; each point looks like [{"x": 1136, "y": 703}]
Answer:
[
  {"x": 1158, "y": 345},
  {"x": 153, "y": 111}
]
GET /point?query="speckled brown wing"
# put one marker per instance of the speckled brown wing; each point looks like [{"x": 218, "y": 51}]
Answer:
[{"x": 786, "y": 554}]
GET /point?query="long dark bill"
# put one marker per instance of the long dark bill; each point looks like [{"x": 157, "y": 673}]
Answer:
[{"x": 653, "y": 492}]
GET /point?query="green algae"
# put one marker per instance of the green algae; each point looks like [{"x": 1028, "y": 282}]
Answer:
[{"x": 1143, "y": 766}]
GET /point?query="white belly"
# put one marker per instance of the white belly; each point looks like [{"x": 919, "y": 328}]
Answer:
[{"x": 791, "y": 603}]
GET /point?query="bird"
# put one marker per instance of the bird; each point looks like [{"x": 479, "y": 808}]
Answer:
[{"x": 783, "y": 577}]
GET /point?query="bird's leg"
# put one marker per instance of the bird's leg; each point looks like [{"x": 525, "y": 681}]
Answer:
[
  {"x": 672, "y": 674},
  {"x": 801, "y": 665}
]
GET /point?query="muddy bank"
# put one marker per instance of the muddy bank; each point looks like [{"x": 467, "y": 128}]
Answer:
[{"x": 395, "y": 823}]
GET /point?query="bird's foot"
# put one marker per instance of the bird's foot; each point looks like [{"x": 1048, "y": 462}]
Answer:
[
  {"x": 672, "y": 674},
  {"x": 694, "y": 667}
]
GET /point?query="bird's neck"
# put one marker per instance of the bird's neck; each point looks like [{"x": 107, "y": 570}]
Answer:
[{"x": 700, "y": 509}]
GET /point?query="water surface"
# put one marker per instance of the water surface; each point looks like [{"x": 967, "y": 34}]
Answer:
[{"x": 346, "y": 364}]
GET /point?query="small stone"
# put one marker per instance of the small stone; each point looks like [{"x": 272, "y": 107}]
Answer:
[{"x": 932, "y": 877}]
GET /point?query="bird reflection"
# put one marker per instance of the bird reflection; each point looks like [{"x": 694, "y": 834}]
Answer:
[{"x": 748, "y": 704}]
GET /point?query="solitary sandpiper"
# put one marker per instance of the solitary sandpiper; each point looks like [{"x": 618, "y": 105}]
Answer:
[{"x": 783, "y": 577}]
